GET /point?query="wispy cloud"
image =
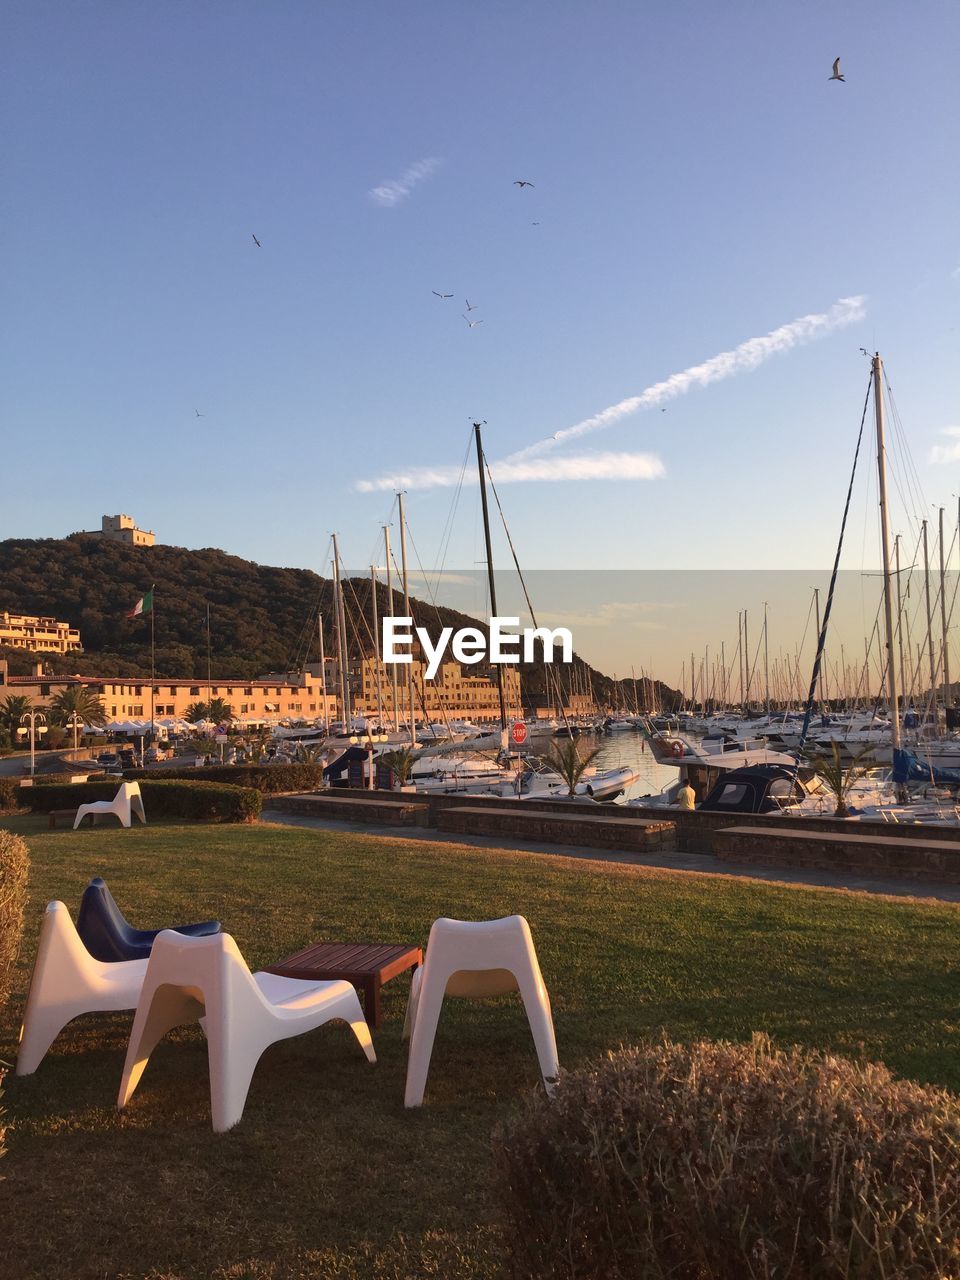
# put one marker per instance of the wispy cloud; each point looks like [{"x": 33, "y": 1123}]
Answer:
[
  {"x": 946, "y": 452},
  {"x": 394, "y": 190},
  {"x": 588, "y": 466},
  {"x": 747, "y": 356}
]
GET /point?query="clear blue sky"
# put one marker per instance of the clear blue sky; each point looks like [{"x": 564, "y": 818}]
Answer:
[{"x": 698, "y": 182}]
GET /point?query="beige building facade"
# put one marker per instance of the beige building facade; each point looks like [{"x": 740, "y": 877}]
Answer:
[
  {"x": 37, "y": 635},
  {"x": 457, "y": 693}
]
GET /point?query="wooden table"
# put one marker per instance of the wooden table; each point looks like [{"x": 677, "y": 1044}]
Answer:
[{"x": 367, "y": 965}]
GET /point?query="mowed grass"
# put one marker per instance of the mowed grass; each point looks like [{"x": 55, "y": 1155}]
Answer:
[{"x": 327, "y": 1174}]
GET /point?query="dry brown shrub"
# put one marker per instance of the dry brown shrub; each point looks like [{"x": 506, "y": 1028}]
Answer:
[{"x": 722, "y": 1160}]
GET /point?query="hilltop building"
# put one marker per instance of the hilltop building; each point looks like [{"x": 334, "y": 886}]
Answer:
[
  {"x": 37, "y": 635},
  {"x": 122, "y": 528}
]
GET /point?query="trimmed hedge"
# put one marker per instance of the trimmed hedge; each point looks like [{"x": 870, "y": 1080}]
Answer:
[
  {"x": 267, "y": 779},
  {"x": 721, "y": 1160},
  {"x": 14, "y": 869},
  {"x": 163, "y": 798}
]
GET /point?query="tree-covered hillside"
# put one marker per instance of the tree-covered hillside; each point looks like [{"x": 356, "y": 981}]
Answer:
[{"x": 261, "y": 618}]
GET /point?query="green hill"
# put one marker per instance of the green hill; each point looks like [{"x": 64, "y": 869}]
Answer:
[{"x": 262, "y": 618}]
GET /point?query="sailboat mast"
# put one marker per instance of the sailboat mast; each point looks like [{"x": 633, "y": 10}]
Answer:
[
  {"x": 493, "y": 590},
  {"x": 406, "y": 612},
  {"x": 885, "y": 549},
  {"x": 393, "y": 665},
  {"x": 376, "y": 641},
  {"x": 342, "y": 651},
  {"x": 323, "y": 672},
  {"x": 766, "y": 661},
  {"x": 943, "y": 622},
  {"x": 926, "y": 593}
]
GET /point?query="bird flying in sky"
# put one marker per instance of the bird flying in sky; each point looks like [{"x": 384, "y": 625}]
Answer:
[
  {"x": 521, "y": 183},
  {"x": 836, "y": 72},
  {"x": 469, "y": 307},
  {"x": 441, "y": 295},
  {"x": 256, "y": 242},
  {"x": 472, "y": 323},
  {"x": 199, "y": 414}
]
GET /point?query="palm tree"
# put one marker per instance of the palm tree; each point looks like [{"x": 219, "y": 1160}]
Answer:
[
  {"x": 838, "y": 778},
  {"x": 564, "y": 758},
  {"x": 196, "y": 712},
  {"x": 11, "y": 710},
  {"x": 219, "y": 711},
  {"x": 400, "y": 764},
  {"x": 77, "y": 700}
]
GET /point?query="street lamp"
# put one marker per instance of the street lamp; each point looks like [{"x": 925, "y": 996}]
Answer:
[
  {"x": 75, "y": 723},
  {"x": 34, "y": 717}
]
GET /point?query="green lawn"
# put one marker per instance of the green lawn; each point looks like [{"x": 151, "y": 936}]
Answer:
[{"x": 327, "y": 1174}]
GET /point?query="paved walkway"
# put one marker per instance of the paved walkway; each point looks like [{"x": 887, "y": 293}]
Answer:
[{"x": 702, "y": 863}]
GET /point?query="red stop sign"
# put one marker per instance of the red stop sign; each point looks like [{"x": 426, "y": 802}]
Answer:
[{"x": 519, "y": 733}]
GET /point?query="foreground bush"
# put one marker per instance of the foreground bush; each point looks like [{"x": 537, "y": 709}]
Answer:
[
  {"x": 206, "y": 801},
  {"x": 14, "y": 867},
  {"x": 267, "y": 779},
  {"x": 727, "y": 1161}
]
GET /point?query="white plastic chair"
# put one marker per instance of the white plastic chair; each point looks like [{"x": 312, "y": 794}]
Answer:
[
  {"x": 476, "y": 959},
  {"x": 124, "y": 805},
  {"x": 68, "y": 981},
  {"x": 243, "y": 1013}
]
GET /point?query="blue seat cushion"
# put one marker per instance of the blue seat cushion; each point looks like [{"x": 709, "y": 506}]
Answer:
[{"x": 108, "y": 936}]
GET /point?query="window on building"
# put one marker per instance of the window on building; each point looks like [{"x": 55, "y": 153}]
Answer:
[
  {"x": 113, "y": 711},
  {"x": 45, "y": 693},
  {"x": 248, "y": 693},
  {"x": 195, "y": 691},
  {"x": 138, "y": 690}
]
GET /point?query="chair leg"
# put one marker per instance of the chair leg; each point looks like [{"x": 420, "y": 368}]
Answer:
[
  {"x": 412, "y": 999},
  {"x": 429, "y": 1003},
  {"x": 232, "y": 1064},
  {"x": 40, "y": 1028},
  {"x": 157, "y": 1013},
  {"x": 539, "y": 1015},
  {"x": 358, "y": 1025}
]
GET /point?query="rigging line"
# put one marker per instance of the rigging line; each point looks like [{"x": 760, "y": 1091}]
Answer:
[
  {"x": 548, "y": 672},
  {"x": 822, "y": 640},
  {"x": 899, "y": 423},
  {"x": 446, "y": 532}
]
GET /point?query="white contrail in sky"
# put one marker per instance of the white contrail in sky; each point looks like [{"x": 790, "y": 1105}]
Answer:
[
  {"x": 589, "y": 466},
  {"x": 749, "y": 355},
  {"x": 396, "y": 189}
]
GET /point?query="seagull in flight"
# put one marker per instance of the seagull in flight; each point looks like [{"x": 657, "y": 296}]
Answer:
[
  {"x": 199, "y": 414},
  {"x": 472, "y": 323},
  {"x": 521, "y": 183},
  {"x": 256, "y": 242},
  {"x": 441, "y": 295},
  {"x": 469, "y": 307},
  {"x": 836, "y": 72}
]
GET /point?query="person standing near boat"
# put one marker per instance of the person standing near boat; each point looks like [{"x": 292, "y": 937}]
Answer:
[{"x": 686, "y": 796}]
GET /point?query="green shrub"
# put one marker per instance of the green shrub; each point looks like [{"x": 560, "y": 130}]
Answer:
[
  {"x": 9, "y": 794},
  {"x": 206, "y": 801},
  {"x": 267, "y": 779},
  {"x": 14, "y": 867},
  {"x": 721, "y": 1160}
]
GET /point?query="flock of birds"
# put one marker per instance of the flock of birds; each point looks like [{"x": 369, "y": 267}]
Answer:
[
  {"x": 521, "y": 183},
  {"x": 472, "y": 324}
]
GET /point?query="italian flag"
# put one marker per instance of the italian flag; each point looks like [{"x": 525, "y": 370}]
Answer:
[{"x": 143, "y": 605}]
